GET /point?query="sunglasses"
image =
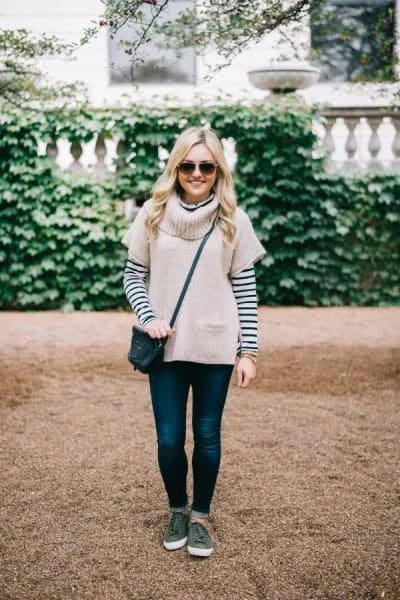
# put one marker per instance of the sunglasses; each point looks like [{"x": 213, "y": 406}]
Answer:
[{"x": 205, "y": 168}]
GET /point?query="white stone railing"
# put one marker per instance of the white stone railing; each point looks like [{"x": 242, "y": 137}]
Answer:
[
  {"x": 355, "y": 140},
  {"x": 361, "y": 139},
  {"x": 99, "y": 156}
]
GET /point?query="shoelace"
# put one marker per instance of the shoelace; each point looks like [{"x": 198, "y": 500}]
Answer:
[
  {"x": 199, "y": 532},
  {"x": 174, "y": 523}
]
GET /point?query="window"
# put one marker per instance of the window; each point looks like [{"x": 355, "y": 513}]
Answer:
[
  {"x": 354, "y": 41},
  {"x": 159, "y": 65}
]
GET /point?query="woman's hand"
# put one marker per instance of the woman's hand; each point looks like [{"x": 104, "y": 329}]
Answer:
[
  {"x": 157, "y": 328},
  {"x": 246, "y": 371}
]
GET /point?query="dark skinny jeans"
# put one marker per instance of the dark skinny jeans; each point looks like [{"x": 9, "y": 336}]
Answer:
[{"x": 169, "y": 388}]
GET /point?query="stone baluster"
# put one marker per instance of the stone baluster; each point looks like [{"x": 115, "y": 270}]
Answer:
[
  {"x": 131, "y": 208},
  {"x": 328, "y": 143},
  {"x": 76, "y": 152},
  {"x": 374, "y": 144},
  {"x": 100, "y": 151},
  {"x": 351, "y": 165},
  {"x": 120, "y": 160},
  {"x": 395, "y": 164},
  {"x": 52, "y": 150}
]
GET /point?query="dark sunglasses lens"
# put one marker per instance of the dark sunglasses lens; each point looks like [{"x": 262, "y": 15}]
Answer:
[
  {"x": 207, "y": 168},
  {"x": 187, "y": 167}
]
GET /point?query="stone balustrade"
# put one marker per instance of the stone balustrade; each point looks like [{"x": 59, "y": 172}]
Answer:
[
  {"x": 354, "y": 140},
  {"x": 360, "y": 139}
]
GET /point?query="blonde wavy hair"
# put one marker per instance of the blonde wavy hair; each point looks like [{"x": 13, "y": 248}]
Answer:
[{"x": 168, "y": 182}]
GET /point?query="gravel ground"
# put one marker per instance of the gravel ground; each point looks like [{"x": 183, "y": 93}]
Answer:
[{"x": 307, "y": 504}]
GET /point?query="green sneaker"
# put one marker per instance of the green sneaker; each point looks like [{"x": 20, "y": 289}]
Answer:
[
  {"x": 177, "y": 531},
  {"x": 199, "y": 542}
]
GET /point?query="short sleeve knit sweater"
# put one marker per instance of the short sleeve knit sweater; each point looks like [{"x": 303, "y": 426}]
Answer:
[{"x": 207, "y": 324}]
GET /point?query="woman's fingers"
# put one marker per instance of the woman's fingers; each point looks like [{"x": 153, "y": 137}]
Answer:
[
  {"x": 246, "y": 372},
  {"x": 159, "y": 329},
  {"x": 243, "y": 380},
  {"x": 240, "y": 375},
  {"x": 167, "y": 331}
]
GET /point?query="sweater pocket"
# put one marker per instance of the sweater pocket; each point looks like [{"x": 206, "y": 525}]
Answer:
[{"x": 213, "y": 325}]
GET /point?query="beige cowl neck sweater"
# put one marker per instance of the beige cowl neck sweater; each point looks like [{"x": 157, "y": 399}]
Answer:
[{"x": 207, "y": 325}]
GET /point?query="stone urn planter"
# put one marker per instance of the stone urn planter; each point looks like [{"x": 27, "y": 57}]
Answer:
[{"x": 283, "y": 78}]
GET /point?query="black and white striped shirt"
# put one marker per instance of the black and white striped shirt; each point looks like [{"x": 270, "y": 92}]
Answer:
[{"x": 244, "y": 290}]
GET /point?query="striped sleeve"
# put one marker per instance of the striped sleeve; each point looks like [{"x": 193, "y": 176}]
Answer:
[
  {"x": 244, "y": 290},
  {"x": 135, "y": 278}
]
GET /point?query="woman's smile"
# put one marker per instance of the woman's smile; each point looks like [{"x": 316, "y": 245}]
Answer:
[{"x": 197, "y": 183}]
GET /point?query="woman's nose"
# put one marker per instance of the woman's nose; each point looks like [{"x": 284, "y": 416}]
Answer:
[{"x": 197, "y": 170}]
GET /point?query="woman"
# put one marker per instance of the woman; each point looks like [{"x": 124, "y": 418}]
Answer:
[{"x": 217, "y": 321}]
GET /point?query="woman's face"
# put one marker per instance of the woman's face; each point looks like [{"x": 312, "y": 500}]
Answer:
[{"x": 197, "y": 186}]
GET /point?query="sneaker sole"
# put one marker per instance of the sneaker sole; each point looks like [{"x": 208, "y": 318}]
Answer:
[
  {"x": 199, "y": 551},
  {"x": 175, "y": 545}
]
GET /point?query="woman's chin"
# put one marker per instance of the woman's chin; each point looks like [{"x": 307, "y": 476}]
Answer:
[{"x": 197, "y": 193}]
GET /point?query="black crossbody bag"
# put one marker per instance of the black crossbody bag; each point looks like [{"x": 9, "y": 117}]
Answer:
[{"x": 146, "y": 354}]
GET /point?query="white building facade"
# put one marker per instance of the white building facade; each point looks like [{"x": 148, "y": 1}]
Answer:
[{"x": 100, "y": 64}]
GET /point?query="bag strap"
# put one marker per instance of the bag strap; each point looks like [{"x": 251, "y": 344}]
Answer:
[{"x": 192, "y": 268}]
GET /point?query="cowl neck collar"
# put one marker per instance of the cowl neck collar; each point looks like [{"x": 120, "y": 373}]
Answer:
[
  {"x": 196, "y": 205},
  {"x": 189, "y": 225}
]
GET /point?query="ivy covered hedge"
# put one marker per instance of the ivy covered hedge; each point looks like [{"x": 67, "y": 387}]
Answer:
[
  {"x": 330, "y": 240},
  {"x": 59, "y": 232}
]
